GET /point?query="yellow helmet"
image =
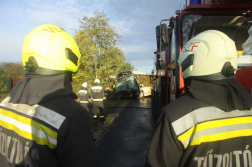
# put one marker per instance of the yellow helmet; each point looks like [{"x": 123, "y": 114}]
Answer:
[
  {"x": 97, "y": 81},
  {"x": 48, "y": 47}
]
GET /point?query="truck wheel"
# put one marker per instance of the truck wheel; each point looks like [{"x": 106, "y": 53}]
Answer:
[{"x": 141, "y": 94}]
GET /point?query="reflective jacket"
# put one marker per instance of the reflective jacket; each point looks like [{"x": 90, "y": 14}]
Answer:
[
  {"x": 211, "y": 126},
  {"x": 42, "y": 125},
  {"x": 83, "y": 95},
  {"x": 97, "y": 93}
]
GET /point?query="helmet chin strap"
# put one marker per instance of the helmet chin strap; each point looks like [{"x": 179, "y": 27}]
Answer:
[
  {"x": 209, "y": 78},
  {"x": 32, "y": 68},
  {"x": 227, "y": 72},
  {"x": 46, "y": 72},
  {"x": 43, "y": 71}
]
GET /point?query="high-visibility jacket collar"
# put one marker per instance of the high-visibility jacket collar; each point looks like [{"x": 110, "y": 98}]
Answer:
[
  {"x": 38, "y": 89},
  {"x": 227, "y": 95}
]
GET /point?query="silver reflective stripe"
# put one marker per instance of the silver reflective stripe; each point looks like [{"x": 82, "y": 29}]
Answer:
[
  {"x": 204, "y": 114},
  {"x": 217, "y": 130},
  {"x": 42, "y": 113},
  {"x": 83, "y": 91},
  {"x": 28, "y": 128},
  {"x": 222, "y": 129},
  {"x": 186, "y": 142},
  {"x": 84, "y": 101},
  {"x": 49, "y": 116},
  {"x": 96, "y": 88}
]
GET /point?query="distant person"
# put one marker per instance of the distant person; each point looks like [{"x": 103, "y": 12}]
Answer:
[
  {"x": 84, "y": 95},
  {"x": 97, "y": 95},
  {"x": 40, "y": 122},
  {"x": 211, "y": 125}
]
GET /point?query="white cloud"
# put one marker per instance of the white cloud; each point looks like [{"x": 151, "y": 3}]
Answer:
[
  {"x": 63, "y": 14},
  {"x": 129, "y": 49},
  {"x": 134, "y": 20},
  {"x": 123, "y": 28}
]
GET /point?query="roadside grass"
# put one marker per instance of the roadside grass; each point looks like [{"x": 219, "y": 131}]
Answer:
[{"x": 3, "y": 96}]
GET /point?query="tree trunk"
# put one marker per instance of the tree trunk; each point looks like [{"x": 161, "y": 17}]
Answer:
[{"x": 95, "y": 67}]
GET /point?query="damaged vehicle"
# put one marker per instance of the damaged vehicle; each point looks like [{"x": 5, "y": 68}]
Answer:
[{"x": 129, "y": 84}]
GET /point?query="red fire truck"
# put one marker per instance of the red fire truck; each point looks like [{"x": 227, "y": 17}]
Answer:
[{"x": 233, "y": 17}]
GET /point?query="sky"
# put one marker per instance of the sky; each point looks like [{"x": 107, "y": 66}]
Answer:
[{"x": 134, "y": 20}]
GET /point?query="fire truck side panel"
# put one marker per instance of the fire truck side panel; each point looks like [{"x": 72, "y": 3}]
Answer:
[
  {"x": 244, "y": 77},
  {"x": 159, "y": 89},
  {"x": 179, "y": 79},
  {"x": 168, "y": 88},
  {"x": 171, "y": 86}
]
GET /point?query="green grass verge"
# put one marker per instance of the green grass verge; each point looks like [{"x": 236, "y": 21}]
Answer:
[{"x": 3, "y": 96}]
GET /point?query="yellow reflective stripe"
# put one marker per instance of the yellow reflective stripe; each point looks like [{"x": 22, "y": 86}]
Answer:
[
  {"x": 225, "y": 122},
  {"x": 203, "y": 115},
  {"x": 28, "y": 121},
  {"x": 184, "y": 137},
  {"x": 97, "y": 99},
  {"x": 36, "y": 111},
  {"x": 83, "y": 101},
  {"x": 28, "y": 128},
  {"x": 213, "y": 130},
  {"x": 216, "y": 123},
  {"x": 221, "y": 136}
]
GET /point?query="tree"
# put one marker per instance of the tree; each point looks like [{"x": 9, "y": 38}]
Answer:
[
  {"x": 127, "y": 66},
  {"x": 11, "y": 70},
  {"x": 86, "y": 50},
  {"x": 98, "y": 42},
  {"x": 152, "y": 71}
]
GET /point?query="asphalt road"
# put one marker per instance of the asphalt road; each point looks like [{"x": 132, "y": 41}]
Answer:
[{"x": 127, "y": 140}]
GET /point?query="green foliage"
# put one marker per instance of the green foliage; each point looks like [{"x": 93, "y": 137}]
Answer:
[
  {"x": 101, "y": 57},
  {"x": 5, "y": 85},
  {"x": 152, "y": 71},
  {"x": 76, "y": 88},
  {"x": 3, "y": 96},
  {"x": 127, "y": 66},
  {"x": 11, "y": 70}
]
